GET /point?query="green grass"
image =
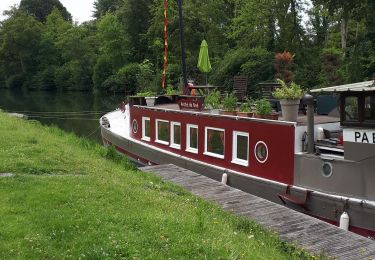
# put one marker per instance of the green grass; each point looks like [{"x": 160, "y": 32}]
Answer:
[{"x": 71, "y": 198}]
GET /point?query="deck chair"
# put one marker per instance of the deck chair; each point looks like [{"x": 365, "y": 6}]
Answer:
[
  {"x": 240, "y": 87},
  {"x": 265, "y": 91}
]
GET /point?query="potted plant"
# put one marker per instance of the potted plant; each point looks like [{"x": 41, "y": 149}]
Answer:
[
  {"x": 172, "y": 93},
  {"x": 149, "y": 96},
  {"x": 264, "y": 110},
  {"x": 229, "y": 105},
  {"x": 212, "y": 101},
  {"x": 245, "y": 109},
  {"x": 289, "y": 97}
]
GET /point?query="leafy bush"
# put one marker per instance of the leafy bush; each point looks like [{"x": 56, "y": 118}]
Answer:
[
  {"x": 230, "y": 102},
  {"x": 128, "y": 75},
  {"x": 15, "y": 81},
  {"x": 44, "y": 79},
  {"x": 212, "y": 100},
  {"x": 293, "y": 92},
  {"x": 263, "y": 107},
  {"x": 113, "y": 83},
  {"x": 145, "y": 76},
  {"x": 172, "y": 91},
  {"x": 102, "y": 71},
  {"x": 247, "y": 105},
  {"x": 146, "y": 94},
  {"x": 173, "y": 73},
  {"x": 73, "y": 75}
]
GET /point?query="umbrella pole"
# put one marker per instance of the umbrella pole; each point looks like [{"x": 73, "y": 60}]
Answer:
[{"x": 206, "y": 79}]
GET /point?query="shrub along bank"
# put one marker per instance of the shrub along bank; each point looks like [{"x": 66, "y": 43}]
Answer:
[{"x": 69, "y": 197}]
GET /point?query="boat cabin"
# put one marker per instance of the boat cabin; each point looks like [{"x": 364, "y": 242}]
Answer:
[{"x": 357, "y": 118}]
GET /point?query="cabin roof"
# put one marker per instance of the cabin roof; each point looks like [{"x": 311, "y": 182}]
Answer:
[{"x": 354, "y": 87}]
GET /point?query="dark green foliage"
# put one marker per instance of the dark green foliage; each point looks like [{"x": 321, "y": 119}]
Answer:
[
  {"x": 113, "y": 84},
  {"x": 128, "y": 76},
  {"x": 333, "y": 45},
  {"x": 102, "y": 70},
  {"x": 104, "y": 6},
  {"x": 15, "y": 81},
  {"x": 40, "y": 9},
  {"x": 44, "y": 79}
]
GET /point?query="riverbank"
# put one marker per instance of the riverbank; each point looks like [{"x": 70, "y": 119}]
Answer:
[{"x": 69, "y": 197}]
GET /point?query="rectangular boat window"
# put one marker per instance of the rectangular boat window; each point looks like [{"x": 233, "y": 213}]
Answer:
[
  {"x": 192, "y": 138},
  {"x": 370, "y": 108},
  {"x": 146, "y": 128},
  {"x": 240, "y": 149},
  {"x": 176, "y": 135},
  {"x": 214, "y": 142},
  {"x": 162, "y": 135},
  {"x": 351, "y": 108}
]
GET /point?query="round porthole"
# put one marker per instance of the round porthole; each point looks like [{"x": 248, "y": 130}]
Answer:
[
  {"x": 327, "y": 169},
  {"x": 261, "y": 152},
  {"x": 135, "y": 126}
]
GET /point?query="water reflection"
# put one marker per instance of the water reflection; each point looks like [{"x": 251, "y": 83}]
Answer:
[{"x": 77, "y": 112}]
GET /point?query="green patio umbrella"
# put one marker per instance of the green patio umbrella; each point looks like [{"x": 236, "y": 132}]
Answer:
[{"x": 204, "y": 64}]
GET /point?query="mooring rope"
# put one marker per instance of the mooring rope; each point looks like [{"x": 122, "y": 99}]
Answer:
[
  {"x": 63, "y": 118},
  {"x": 55, "y": 112},
  {"x": 87, "y": 136}
]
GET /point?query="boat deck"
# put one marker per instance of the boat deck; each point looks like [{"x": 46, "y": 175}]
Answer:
[
  {"x": 302, "y": 119},
  {"x": 311, "y": 234}
]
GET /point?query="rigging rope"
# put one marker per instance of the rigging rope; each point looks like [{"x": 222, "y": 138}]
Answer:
[{"x": 164, "y": 74}]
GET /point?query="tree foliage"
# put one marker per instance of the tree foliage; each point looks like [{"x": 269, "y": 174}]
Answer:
[
  {"x": 40, "y": 9},
  {"x": 331, "y": 42}
]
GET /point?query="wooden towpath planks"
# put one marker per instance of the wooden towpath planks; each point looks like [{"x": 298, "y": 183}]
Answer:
[{"x": 313, "y": 235}]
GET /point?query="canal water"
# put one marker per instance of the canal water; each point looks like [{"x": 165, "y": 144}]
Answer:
[{"x": 77, "y": 112}]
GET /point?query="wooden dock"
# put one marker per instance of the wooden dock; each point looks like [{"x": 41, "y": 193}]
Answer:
[{"x": 311, "y": 234}]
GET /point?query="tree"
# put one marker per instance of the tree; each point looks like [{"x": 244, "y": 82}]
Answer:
[
  {"x": 134, "y": 16},
  {"x": 114, "y": 43},
  {"x": 20, "y": 38},
  {"x": 40, "y": 9},
  {"x": 345, "y": 10},
  {"x": 102, "y": 7},
  {"x": 78, "y": 53}
]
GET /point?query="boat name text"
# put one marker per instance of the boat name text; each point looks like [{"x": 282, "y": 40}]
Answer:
[{"x": 359, "y": 136}]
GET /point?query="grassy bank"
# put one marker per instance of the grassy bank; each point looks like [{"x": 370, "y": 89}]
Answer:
[{"x": 72, "y": 198}]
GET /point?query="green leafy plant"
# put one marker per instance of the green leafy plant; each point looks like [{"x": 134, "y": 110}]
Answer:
[
  {"x": 293, "y": 91},
  {"x": 146, "y": 94},
  {"x": 247, "y": 105},
  {"x": 145, "y": 75},
  {"x": 230, "y": 102},
  {"x": 172, "y": 91},
  {"x": 212, "y": 100},
  {"x": 263, "y": 107}
]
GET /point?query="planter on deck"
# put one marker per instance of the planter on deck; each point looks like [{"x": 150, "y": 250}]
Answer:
[
  {"x": 245, "y": 114},
  {"x": 289, "y": 109},
  {"x": 272, "y": 116},
  {"x": 150, "y": 101},
  {"x": 228, "y": 113}
]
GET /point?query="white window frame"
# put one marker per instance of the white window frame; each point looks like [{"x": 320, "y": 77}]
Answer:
[
  {"x": 235, "y": 159},
  {"x": 174, "y": 145},
  {"x": 157, "y": 131},
  {"x": 188, "y": 148},
  {"x": 144, "y": 137},
  {"x": 220, "y": 156}
]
